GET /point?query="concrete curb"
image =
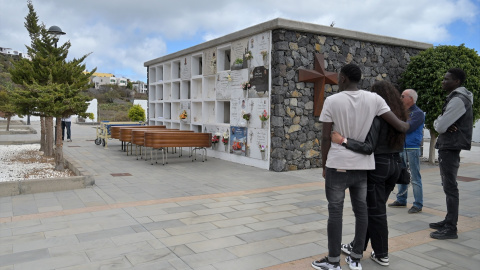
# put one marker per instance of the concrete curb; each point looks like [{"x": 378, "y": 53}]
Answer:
[{"x": 82, "y": 180}]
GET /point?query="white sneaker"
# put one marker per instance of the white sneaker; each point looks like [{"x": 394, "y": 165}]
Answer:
[
  {"x": 324, "y": 264},
  {"x": 353, "y": 264},
  {"x": 382, "y": 261},
  {"x": 347, "y": 248}
]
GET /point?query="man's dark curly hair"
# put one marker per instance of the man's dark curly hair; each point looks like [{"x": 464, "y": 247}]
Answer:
[
  {"x": 391, "y": 95},
  {"x": 353, "y": 72},
  {"x": 458, "y": 74}
]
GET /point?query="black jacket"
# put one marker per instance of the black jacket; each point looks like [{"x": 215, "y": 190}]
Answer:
[{"x": 376, "y": 141}]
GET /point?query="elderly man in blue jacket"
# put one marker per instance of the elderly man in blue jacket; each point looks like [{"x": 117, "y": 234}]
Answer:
[
  {"x": 455, "y": 127},
  {"x": 413, "y": 142}
]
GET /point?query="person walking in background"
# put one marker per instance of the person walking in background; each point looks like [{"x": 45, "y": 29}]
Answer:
[
  {"x": 455, "y": 127},
  {"x": 413, "y": 143},
  {"x": 386, "y": 143},
  {"x": 349, "y": 112},
  {"x": 66, "y": 123}
]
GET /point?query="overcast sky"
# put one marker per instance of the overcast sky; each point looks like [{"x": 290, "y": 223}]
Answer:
[{"x": 123, "y": 34}]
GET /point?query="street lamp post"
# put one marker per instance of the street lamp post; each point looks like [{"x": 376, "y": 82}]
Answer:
[{"x": 55, "y": 31}]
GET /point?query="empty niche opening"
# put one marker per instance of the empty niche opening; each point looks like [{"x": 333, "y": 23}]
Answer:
[
  {"x": 197, "y": 65},
  {"x": 226, "y": 112},
  {"x": 176, "y": 70},
  {"x": 224, "y": 58}
]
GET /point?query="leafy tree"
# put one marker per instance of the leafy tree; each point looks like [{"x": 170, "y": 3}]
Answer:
[
  {"x": 136, "y": 113},
  {"x": 53, "y": 86},
  {"x": 425, "y": 74},
  {"x": 7, "y": 104}
]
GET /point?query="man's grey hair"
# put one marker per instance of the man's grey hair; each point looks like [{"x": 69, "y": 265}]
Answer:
[{"x": 413, "y": 94}]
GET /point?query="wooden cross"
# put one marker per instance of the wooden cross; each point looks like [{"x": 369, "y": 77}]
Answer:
[{"x": 320, "y": 77}]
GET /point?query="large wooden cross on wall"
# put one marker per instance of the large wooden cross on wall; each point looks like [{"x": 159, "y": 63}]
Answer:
[{"x": 319, "y": 76}]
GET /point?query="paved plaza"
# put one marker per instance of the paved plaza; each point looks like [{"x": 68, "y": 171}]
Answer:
[{"x": 213, "y": 215}]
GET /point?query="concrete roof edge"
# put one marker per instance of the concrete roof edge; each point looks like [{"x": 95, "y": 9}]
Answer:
[{"x": 280, "y": 23}]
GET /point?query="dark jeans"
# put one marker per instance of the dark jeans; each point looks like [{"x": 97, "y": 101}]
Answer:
[
  {"x": 449, "y": 162},
  {"x": 66, "y": 125},
  {"x": 336, "y": 183},
  {"x": 380, "y": 184}
]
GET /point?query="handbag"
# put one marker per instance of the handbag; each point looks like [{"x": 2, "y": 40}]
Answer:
[{"x": 405, "y": 174}]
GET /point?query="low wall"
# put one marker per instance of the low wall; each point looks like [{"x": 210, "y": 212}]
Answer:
[{"x": 30, "y": 186}]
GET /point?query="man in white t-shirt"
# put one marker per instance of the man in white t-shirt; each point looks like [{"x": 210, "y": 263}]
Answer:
[{"x": 349, "y": 112}]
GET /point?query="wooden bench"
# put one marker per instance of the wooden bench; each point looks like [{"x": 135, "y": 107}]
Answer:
[
  {"x": 123, "y": 133},
  {"x": 138, "y": 137},
  {"x": 162, "y": 140}
]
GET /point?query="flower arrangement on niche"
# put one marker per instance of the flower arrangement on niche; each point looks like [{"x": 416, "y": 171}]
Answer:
[
  {"x": 238, "y": 61},
  {"x": 246, "y": 116},
  {"x": 264, "y": 54},
  {"x": 229, "y": 78},
  {"x": 264, "y": 116},
  {"x": 215, "y": 139},
  {"x": 237, "y": 146},
  {"x": 246, "y": 85},
  {"x": 225, "y": 138},
  {"x": 262, "y": 147},
  {"x": 248, "y": 55},
  {"x": 183, "y": 115}
]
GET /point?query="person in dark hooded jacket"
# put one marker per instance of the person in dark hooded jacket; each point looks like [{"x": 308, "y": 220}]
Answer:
[{"x": 455, "y": 127}]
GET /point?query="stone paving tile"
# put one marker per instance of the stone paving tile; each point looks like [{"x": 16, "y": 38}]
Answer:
[
  {"x": 100, "y": 254},
  {"x": 257, "y": 247},
  {"x": 454, "y": 258},
  {"x": 114, "y": 263},
  {"x": 234, "y": 222},
  {"x": 136, "y": 258},
  {"x": 243, "y": 213},
  {"x": 212, "y": 244},
  {"x": 25, "y": 256},
  {"x": 132, "y": 238},
  {"x": 293, "y": 253},
  {"x": 195, "y": 261},
  {"x": 182, "y": 239},
  {"x": 65, "y": 250},
  {"x": 190, "y": 228},
  {"x": 418, "y": 259},
  {"x": 45, "y": 243},
  {"x": 53, "y": 262},
  {"x": 255, "y": 236},
  {"x": 89, "y": 236},
  {"x": 227, "y": 231},
  {"x": 203, "y": 219},
  {"x": 257, "y": 261},
  {"x": 172, "y": 216},
  {"x": 275, "y": 215},
  {"x": 269, "y": 224}
]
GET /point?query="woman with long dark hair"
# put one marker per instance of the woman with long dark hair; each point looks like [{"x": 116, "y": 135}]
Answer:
[{"x": 386, "y": 143}]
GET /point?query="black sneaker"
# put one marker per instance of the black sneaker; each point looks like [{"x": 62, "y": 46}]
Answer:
[
  {"x": 382, "y": 261},
  {"x": 414, "y": 210},
  {"x": 437, "y": 225},
  {"x": 444, "y": 233},
  {"x": 397, "y": 204},
  {"x": 347, "y": 248},
  {"x": 324, "y": 264},
  {"x": 354, "y": 264}
]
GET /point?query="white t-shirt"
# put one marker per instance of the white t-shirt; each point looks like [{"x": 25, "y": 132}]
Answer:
[{"x": 352, "y": 114}]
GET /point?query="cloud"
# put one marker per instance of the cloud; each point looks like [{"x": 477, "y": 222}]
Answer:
[{"x": 123, "y": 34}]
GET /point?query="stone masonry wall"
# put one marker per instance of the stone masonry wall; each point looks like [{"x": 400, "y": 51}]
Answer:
[{"x": 296, "y": 133}]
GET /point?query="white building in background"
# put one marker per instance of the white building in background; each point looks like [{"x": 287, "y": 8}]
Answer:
[
  {"x": 9, "y": 51},
  {"x": 99, "y": 79},
  {"x": 140, "y": 87}
]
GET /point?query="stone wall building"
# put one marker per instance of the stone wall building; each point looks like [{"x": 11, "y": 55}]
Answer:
[{"x": 293, "y": 132}]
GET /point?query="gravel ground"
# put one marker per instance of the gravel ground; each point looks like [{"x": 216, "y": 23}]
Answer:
[{"x": 23, "y": 162}]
